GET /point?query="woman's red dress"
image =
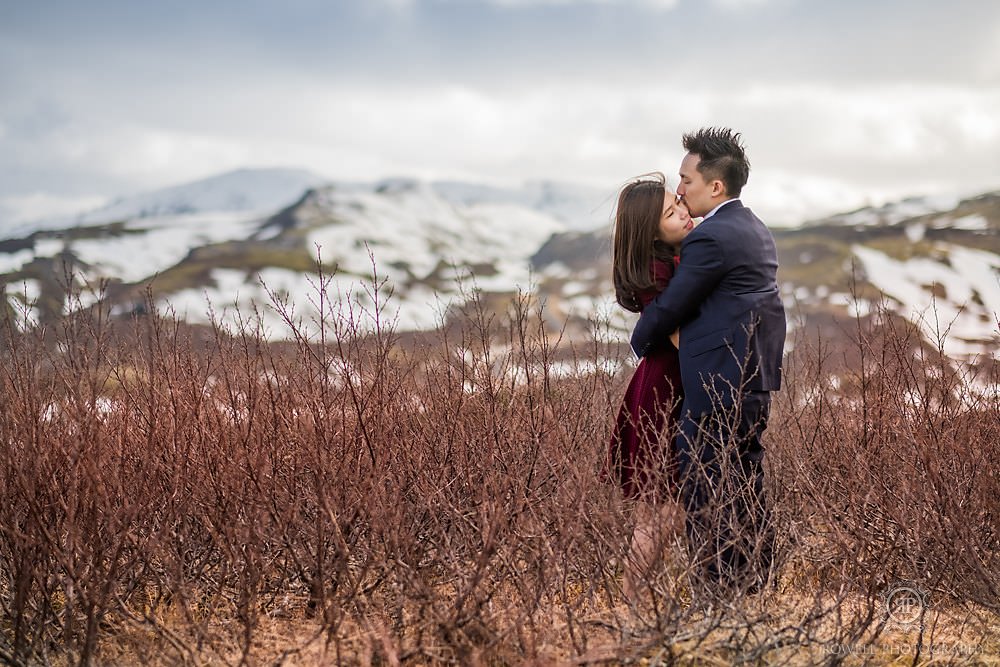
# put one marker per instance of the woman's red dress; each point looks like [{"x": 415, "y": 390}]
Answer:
[{"x": 642, "y": 458}]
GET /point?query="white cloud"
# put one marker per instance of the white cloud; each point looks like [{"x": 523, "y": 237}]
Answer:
[
  {"x": 502, "y": 96},
  {"x": 907, "y": 121},
  {"x": 19, "y": 209},
  {"x": 782, "y": 197},
  {"x": 138, "y": 153},
  {"x": 815, "y": 149},
  {"x": 975, "y": 121}
]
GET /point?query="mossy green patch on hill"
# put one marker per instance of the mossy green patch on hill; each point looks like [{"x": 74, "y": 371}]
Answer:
[
  {"x": 977, "y": 240},
  {"x": 69, "y": 234},
  {"x": 195, "y": 270},
  {"x": 902, "y": 249},
  {"x": 986, "y": 205},
  {"x": 811, "y": 258}
]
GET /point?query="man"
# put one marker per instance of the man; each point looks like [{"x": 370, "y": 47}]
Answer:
[{"x": 724, "y": 299}]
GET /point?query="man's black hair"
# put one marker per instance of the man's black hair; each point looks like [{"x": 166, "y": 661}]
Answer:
[{"x": 722, "y": 157}]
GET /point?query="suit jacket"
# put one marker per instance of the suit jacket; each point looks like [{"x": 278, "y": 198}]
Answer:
[{"x": 724, "y": 297}]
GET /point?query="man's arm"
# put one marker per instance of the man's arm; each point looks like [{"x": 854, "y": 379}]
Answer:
[{"x": 700, "y": 270}]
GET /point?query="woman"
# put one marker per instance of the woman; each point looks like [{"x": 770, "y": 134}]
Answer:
[{"x": 650, "y": 223}]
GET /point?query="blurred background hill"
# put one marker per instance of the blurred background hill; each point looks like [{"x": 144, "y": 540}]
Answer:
[{"x": 222, "y": 244}]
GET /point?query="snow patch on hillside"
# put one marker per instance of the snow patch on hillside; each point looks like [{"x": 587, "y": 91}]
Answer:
[
  {"x": 430, "y": 251},
  {"x": 152, "y": 245},
  {"x": 261, "y": 190},
  {"x": 964, "y": 315},
  {"x": 579, "y": 207},
  {"x": 895, "y": 212},
  {"x": 413, "y": 232},
  {"x": 284, "y": 299},
  {"x": 975, "y": 223},
  {"x": 11, "y": 262}
]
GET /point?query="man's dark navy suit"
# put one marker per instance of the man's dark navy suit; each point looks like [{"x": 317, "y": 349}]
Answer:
[{"x": 724, "y": 299}]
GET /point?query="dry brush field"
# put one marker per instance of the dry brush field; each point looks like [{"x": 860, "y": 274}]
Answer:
[{"x": 170, "y": 497}]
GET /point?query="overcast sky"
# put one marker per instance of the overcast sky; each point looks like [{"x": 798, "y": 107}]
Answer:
[{"x": 841, "y": 103}]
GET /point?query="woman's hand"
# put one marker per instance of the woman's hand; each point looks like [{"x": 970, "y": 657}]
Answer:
[{"x": 675, "y": 338}]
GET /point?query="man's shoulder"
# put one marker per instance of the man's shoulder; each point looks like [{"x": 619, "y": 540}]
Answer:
[
  {"x": 704, "y": 233},
  {"x": 733, "y": 210},
  {"x": 738, "y": 215},
  {"x": 717, "y": 227}
]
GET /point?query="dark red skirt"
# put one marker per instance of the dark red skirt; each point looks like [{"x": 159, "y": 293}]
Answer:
[{"x": 642, "y": 459}]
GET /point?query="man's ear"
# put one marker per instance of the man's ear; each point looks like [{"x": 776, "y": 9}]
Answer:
[{"x": 718, "y": 188}]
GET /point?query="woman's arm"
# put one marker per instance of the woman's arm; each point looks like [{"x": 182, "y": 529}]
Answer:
[{"x": 700, "y": 270}]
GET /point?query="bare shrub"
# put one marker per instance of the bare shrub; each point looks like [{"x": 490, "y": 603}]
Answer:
[{"x": 177, "y": 495}]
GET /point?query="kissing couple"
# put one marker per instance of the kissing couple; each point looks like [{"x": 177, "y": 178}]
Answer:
[{"x": 687, "y": 444}]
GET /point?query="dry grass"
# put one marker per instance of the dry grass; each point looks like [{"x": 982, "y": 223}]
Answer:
[{"x": 172, "y": 499}]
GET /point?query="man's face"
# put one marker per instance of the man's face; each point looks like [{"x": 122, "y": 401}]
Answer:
[{"x": 696, "y": 193}]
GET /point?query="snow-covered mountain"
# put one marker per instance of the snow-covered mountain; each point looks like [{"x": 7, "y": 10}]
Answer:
[
  {"x": 954, "y": 296},
  {"x": 937, "y": 267},
  {"x": 579, "y": 207},
  {"x": 245, "y": 190},
  {"x": 254, "y": 191},
  {"x": 227, "y": 240},
  {"x": 430, "y": 249},
  {"x": 241, "y": 240},
  {"x": 892, "y": 213}
]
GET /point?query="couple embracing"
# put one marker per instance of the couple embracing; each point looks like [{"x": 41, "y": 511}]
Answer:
[{"x": 710, "y": 338}]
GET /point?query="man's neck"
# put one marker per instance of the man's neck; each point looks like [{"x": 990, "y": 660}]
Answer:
[{"x": 718, "y": 206}]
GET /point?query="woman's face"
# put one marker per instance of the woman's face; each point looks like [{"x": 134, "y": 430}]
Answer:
[{"x": 675, "y": 221}]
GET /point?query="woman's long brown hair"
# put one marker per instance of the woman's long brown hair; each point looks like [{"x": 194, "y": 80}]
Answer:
[{"x": 637, "y": 216}]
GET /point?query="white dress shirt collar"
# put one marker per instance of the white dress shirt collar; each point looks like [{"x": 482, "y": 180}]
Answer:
[{"x": 716, "y": 209}]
